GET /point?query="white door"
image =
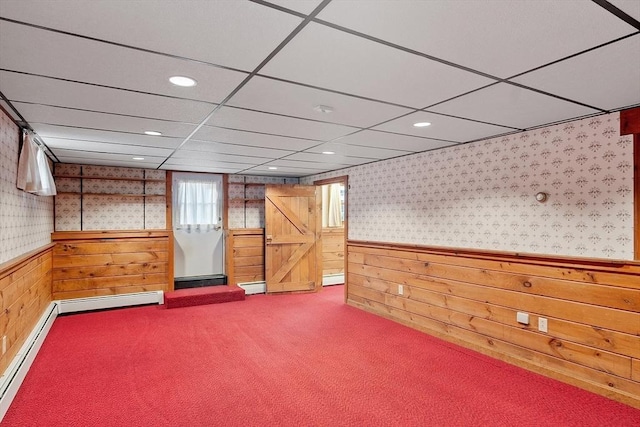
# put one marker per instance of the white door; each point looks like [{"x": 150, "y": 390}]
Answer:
[{"x": 197, "y": 224}]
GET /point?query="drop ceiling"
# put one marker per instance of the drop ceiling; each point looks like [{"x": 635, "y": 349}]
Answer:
[{"x": 89, "y": 78}]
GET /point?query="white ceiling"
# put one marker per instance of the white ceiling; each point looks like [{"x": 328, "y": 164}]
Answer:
[{"x": 90, "y": 77}]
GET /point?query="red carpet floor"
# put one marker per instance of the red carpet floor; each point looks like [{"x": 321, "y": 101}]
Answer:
[{"x": 287, "y": 360}]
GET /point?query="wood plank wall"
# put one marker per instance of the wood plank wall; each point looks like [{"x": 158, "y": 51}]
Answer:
[
  {"x": 471, "y": 298},
  {"x": 25, "y": 293},
  {"x": 87, "y": 264},
  {"x": 333, "y": 250},
  {"x": 245, "y": 255}
]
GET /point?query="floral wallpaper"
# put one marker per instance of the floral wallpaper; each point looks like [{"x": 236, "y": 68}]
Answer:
[
  {"x": 251, "y": 213},
  {"x": 482, "y": 195},
  {"x": 109, "y": 204},
  {"x": 26, "y": 220}
]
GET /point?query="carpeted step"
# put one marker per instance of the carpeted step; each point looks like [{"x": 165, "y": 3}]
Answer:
[{"x": 201, "y": 296}]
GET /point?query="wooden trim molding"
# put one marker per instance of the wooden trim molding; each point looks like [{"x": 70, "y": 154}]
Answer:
[
  {"x": 108, "y": 234},
  {"x": 7, "y": 267},
  {"x": 630, "y": 125}
]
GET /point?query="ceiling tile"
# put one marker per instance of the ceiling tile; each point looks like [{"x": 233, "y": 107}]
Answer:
[
  {"x": 217, "y": 158},
  {"x": 84, "y": 60},
  {"x": 302, "y": 6},
  {"x": 299, "y": 101},
  {"x": 57, "y": 144},
  {"x": 235, "y": 118},
  {"x": 107, "y": 157},
  {"x": 205, "y": 169},
  {"x": 493, "y": 36},
  {"x": 443, "y": 127},
  {"x": 36, "y": 113},
  {"x": 51, "y": 131},
  {"x": 371, "y": 138},
  {"x": 220, "y": 148},
  {"x": 327, "y": 58},
  {"x": 611, "y": 64},
  {"x": 630, "y": 7},
  {"x": 214, "y": 31},
  {"x": 317, "y": 160},
  {"x": 108, "y": 161},
  {"x": 341, "y": 149},
  {"x": 208, "y": 163},
  {"x": 513, "y": 106},
  {"x": 40, "y": 90},
  {"x": 209, "y": 133}
]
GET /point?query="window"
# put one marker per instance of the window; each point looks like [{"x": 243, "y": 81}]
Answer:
[{"x": 195, "y": 206}]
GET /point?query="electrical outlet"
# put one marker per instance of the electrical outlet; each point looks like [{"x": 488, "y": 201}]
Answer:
[
  {"x": 542, "y": 324},
  {"x": 4, "y": 344},
  {"x": 400, "y": 290},
  {"x": 522, "y": 318}
]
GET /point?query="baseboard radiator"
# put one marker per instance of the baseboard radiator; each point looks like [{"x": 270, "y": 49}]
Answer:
[
  {"x": 14, "y": 375},
  {"x": 16, "y": 372}
]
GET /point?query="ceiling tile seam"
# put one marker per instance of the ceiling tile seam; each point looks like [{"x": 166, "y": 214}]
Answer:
[
  {"x": 266, "y": 133},
  {"x": 618, "y": 13},
  {"x": 279, "y": 8},
  {"x": 337, "y": 92},
  {"x": 406, "y": 49},
  {"x": 133, "y": 116},
  {"x": 264, "y": 62},
  {"x": 23, "y": 125},
  {"x": 582, "y": 52},
  {"x": 552, "y": 95},
  {"x": 233, "y": 144},
  {"x": 116, "y": 144},
  {"x": 292, "y": 117},
  {"x": 139, "y": 49},
  {"x": 141, "y": 92},
  {"x": 460, "y": 95},
  {"x": 416, "y": 136},
  {"x": 473, "y": 120},
  {"x": 100, "y": 130},
  {"x": 184, "y": 150}
]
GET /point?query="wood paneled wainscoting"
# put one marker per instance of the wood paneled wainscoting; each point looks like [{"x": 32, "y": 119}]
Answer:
[
  {"x": 471, "y": 298},
  {"x": 333, "y": 250},
  {"x": 245, "y": 255},
  {"x": 97, "y": 263},
  {"x": 25, "y": 293}
]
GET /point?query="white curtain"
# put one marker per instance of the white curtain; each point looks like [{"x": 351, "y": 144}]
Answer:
[
  {"x": 34, "y": 174},
  {"x": 196, "y": 204},
  {"x": 331, "y": 205}
]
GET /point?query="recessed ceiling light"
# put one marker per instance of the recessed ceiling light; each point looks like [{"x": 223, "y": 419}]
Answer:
[
  {"x": 182, "y": 81},
  {"x": 328, "y": 152},
  {"x": 272, "y": 168},
  {"x": 152, "y": 132},
  {"x": 422, "y": 124},
  {"x": 138, "y": 158},
  {"x": 323, "y": 109}
]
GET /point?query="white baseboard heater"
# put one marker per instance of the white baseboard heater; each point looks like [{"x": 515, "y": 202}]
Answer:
[
  {"x": 251, "y": 288},
  {"x": 15, "y": 373}
]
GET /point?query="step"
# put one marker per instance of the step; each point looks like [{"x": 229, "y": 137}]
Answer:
[{"x": 204, "y": 295}]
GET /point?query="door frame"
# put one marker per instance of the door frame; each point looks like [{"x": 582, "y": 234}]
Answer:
[{"x": 344, "y": 180}]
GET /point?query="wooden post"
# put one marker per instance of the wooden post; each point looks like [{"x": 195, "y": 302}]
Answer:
[{"x": 630, "y": 125}]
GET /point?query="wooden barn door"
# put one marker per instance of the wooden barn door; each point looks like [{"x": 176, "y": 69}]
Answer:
[{"x": 293, "y": 248}]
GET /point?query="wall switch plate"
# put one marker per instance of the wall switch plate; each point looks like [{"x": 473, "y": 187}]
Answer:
[
  {"x": 522, "y": 318},
  {"x": 542, "y": 324},
  {"x": 400, "y": 289}
]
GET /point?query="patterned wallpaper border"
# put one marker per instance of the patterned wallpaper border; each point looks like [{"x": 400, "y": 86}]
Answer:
[{"x": 481, "y": 195}]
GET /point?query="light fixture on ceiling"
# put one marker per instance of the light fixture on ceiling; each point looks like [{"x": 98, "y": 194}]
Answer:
[
  {"x": 272, "y": 168},
  {"x": 421, "y": 124},
  {"x": 542, "y": 196},
  {"x": 152, "y": 132},
  {"x": 328, "y": 152},
  {"x": 323, "y": 109},
  {"x": 182, "y": 81},
  {"x": 138, "y": 158}
]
